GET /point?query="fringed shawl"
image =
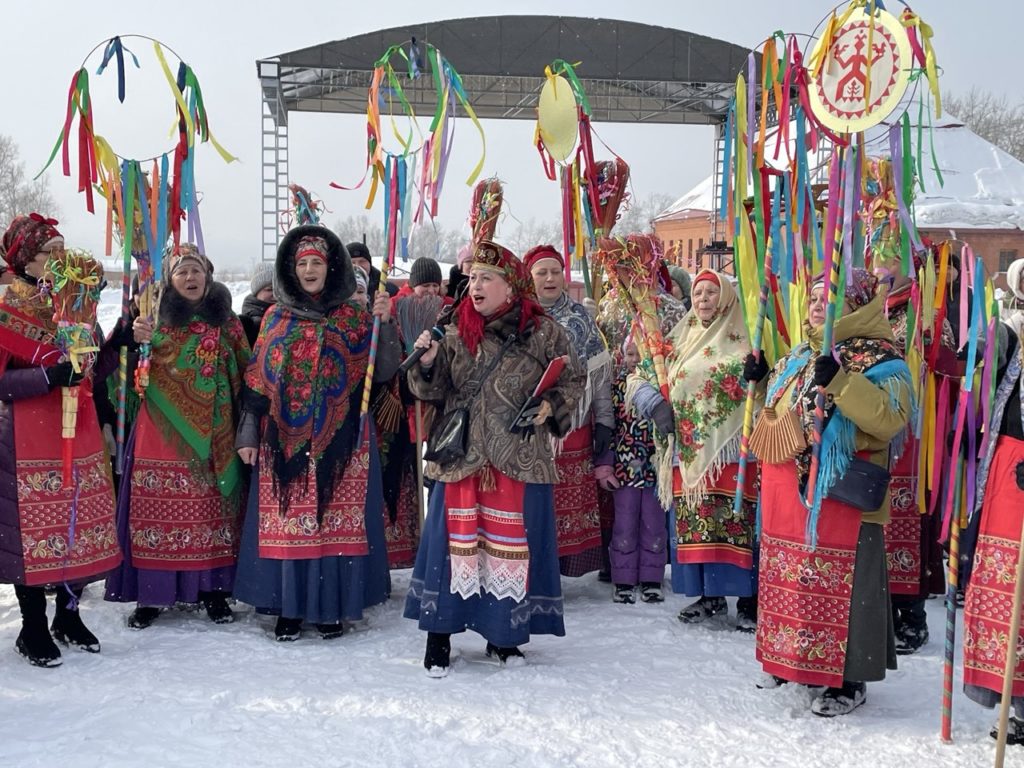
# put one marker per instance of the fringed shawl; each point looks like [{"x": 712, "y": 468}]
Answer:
[
  {"x": 864, "y": 344},
  {"x": 311, "y": 370}
]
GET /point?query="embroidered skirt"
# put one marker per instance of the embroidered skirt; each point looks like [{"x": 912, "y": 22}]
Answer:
[
  {"x": 502, "y": 621},
  {"x": 321, "y": 590},
  {"x": 577, "y": 517},
  {"x": 805, "y": 624},
  {"x": 988, "y": 601}
]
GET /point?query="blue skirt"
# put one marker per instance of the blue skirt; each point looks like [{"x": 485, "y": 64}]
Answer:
[
  {"x": 503, "y": 622},
  {"x": 326, "y": 590}
]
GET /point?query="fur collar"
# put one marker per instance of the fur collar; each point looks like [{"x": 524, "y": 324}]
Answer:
[
  {"x": 338, "y": 287},
  {"x": 214, "y": 308}
]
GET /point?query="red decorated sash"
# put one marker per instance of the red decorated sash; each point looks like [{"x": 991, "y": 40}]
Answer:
[
  {"x": 904, "y": 529},
  {"x": 803, "y": 593},
  {"x": 294, "y": 534},
  {"x": 68, "y": 533},
  {"x": 989, "y": 599},
  {"x": 487, "y": 538},
  {"x": 710, "y": 532},
  {"x": 178, "y": 520},
  {"x": 577, "y": 518}
]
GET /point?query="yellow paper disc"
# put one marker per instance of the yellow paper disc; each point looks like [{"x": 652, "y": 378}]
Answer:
[
  {"x": 864, "y": 56},
  {"x": 557, "y": 118}
]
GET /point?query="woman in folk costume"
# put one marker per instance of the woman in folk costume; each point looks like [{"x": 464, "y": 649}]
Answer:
[
  {"x": 180, "y": 500},
  {"x": 913, "y": 552},
  {"x": 992, "y": 544},
  {"x": 487, "y": 559},
  {"x": 824, "y": 615},
  {"x": 51, "y": 534},
  {"x": 1014, "y": 315},
  {"x": 577, "y": 517},
  {"x": 313, "y": 543},
  {"x": 714, "y": 544}
]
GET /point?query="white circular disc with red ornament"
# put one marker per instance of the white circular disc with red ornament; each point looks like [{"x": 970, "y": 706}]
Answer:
[{"x": 865, "y": 73}]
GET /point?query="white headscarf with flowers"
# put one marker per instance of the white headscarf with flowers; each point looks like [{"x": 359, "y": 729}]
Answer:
[{"x": 706, "y": 389}]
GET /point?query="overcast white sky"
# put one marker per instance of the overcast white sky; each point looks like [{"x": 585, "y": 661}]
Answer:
[{"x": 44, "y": 44}]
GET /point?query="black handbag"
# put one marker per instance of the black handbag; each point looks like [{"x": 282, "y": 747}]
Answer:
[
  {"x": 863, "y": 486},
  {"x": 449, "y": 438}
]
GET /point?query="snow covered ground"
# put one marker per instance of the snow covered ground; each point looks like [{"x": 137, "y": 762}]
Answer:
[{"x": 627, "y": 686}]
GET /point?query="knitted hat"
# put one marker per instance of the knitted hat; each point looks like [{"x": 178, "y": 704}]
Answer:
[
  {"x": 424, "y": 270},
  {"x": 361, "y": 278},
  {"x": 539, "y": 252},
  {"x": 25, "y": 238},
  {"x": 262, "y": 278},
  {"x": 359, "y": 250}
]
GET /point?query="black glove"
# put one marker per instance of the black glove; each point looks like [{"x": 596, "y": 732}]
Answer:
[
  {"x": 825, "y": 369},
  {"x": 663, "y": 418},
  {"x": 1020, "y": 475},
  {"x": 602, "y": 438},
  {"x": 63, "y": 375},
  {"x": 529, "y": 411},
  {"x": 755, "y": 369}
]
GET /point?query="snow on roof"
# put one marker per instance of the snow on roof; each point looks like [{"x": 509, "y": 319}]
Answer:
[
  {"x": 697, "y": 199},
  {"x": 983, "y": 186}
]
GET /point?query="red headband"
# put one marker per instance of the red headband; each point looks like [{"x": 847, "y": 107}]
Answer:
[
  {"x": 706, "y": 274},
  {"x": 539, "y": 252}
]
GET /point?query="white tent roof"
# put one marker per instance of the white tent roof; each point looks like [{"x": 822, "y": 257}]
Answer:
[{"x": 983, "y": 186}]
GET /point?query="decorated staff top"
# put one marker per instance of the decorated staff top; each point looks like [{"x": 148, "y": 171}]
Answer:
[
  {"x": 862, "y": 64},
  {"x": 102, "y": 165}
]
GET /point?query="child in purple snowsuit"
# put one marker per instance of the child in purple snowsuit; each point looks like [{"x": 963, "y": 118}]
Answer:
[{"x": 639, "y": 535}]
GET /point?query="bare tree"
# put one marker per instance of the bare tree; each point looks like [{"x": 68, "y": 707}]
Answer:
[
  {"x": 532, "y": 232},
  {"x": 18, "y": 193},
  {"x": 639, "y": 213},
  {"x": 360, "y": 228},
  {"x": 992, "y": 117}
]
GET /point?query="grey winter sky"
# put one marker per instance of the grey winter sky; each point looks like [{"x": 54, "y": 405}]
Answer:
[{"x": 44, "y": 44}]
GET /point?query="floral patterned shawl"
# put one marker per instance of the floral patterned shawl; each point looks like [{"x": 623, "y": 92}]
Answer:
[
  {"x": 194, "y": 385},
  {"x": 705, "y": 375}
]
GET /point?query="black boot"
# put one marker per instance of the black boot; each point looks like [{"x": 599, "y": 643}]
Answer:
[
  {"x": 34, "y": 641},
  {"x": 330, "y": 631},
  {"x": 287, "y": 630},
  {"x": 437, "y": 659},
  {"x": 512, "y": 654},
  {"x": 143, "y": 616},
  {"x": 67, "y": 627},
  {"x": 217, "y": 608},
  {"x": 746, "y": 614}
]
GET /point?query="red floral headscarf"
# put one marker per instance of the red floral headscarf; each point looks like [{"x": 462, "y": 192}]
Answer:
[
  {"x": 25, "y": 238},
  {"x": 500, "y": 259}
]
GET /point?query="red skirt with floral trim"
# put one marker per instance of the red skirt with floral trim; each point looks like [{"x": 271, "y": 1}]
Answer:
[
  {"x": 710, "y": 532},
  {"x": 58, "y": 546},
  {"x": 803, "y": 593},
  {"x": 178, "y": 520},
  {"x": 989, "y": 598},
  {"x": 296, "y": 534},
  {"x": 577, "y": 517},
  {"x": 903, "y": 532}
]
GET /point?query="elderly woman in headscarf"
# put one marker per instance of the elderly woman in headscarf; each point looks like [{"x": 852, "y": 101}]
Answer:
[
  {"x": 824, "y": 612},
  {"x": 577, "y": 518},
  {"x": 487, "y": 559},
  {"x": 52, "y": 534},
  {"x": 313, "y": 544},
  {"x": 180, "y": 504},
  {"x": 713, "y": 542}
]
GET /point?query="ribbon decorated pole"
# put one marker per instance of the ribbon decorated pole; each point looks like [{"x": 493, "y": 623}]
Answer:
[
  {"x": 592, "y": 192},
  {"x": 75, "y": 292},
  {"x": 396, "y": 171},
  {"x": 145, "y": 213}
]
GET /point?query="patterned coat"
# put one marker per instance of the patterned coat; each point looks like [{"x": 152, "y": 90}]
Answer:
[{"x": 501, "y": 397}]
